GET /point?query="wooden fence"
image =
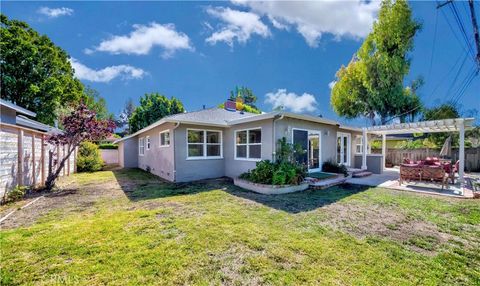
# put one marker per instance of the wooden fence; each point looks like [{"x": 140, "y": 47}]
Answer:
[
  {"x": 396, "y": 156},
  {"x": 24, "y": 156}
]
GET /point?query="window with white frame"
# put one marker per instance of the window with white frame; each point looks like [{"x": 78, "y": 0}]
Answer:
[
  {"x": 248, "y": 144},
  {"x": 205, "y": 144},
  {"x": 147, "y": 142},
  {"x": 164, "y": 138},
  {"x": 359, "y": 144},
  {"x": 141, "y": 146}
]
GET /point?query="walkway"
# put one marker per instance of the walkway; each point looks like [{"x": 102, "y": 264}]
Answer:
[{"x": 389, "y": 179}]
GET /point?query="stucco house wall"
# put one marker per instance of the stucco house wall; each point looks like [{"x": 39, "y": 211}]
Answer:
[
  {"x": 158, "y": 159},
  {"x": 285, "y": 126},
  {"x": 195, "y": 169},
  {"x": 128, "y": 153},
  {"x": 234, "y": 167}
]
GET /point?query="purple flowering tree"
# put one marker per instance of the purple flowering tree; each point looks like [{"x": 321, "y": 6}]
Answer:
[{"x": 80, "y": 125}]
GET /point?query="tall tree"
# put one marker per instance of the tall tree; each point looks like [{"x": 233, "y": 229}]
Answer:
[
  {"x": 444, "y": 111},
  {"x": 95, "y": 102},
  {"x": 372, "y": 83},
  {"x": 125, "y": 115},
  {"x": 34, "y": 72},
  {"x": 153, "y": 107}
]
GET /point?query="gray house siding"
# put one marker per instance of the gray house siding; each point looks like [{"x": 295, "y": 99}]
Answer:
[
  {"x": 285, "y": 127},
  {"x": 159, "y": 160},
  {"x": 195, "y": 169},
  {"x": 233, "y": 168},
  {"x": 128, "y": 153}
]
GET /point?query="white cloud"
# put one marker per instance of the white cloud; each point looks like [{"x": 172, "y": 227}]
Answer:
[
  {"x": 312, "y": 19},
  {"x": 143, "y": 38},
  {"x": 106, "y": 74},
  {"x": 55, "y": 12},
  {"x": 332, "y": 84},
  {"x": 291, "y": 101},
  {"x": 237, "y": 25}
]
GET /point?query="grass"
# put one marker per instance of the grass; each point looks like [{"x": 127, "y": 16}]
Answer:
[
  {"x": 127, "y": 227},
  {"x": 321, "y": 175}
]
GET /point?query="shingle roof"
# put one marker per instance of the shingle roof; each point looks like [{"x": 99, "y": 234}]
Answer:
[
  {"x": 210, "y": 116},
  {"x": 30, "y": 123},
  {"x": 17, "y": 108}
]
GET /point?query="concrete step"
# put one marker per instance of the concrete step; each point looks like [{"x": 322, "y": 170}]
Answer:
[
  {"x": 353, "y": 171},
  {"x": 323, "y": 184},
  {"x": 361, "y": 174}
]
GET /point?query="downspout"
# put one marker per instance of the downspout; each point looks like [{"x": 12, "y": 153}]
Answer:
[
  {"x": 174, "y": 155},
  {"x": 275, "y": 119}
]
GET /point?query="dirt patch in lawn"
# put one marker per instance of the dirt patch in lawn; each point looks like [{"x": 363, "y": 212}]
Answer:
[
  {"x": 70, "y": 198},
  {"x": 364, "y": 221}
]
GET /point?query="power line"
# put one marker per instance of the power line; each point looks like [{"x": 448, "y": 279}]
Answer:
[
  {"x": 433, "y": 44},
  {"x": 435, "y": 89},
  {"x": 459, "y": 21},
  {"x": 456, "y": 76},
  {"x": 465, "y": 84},
  {"x": 454, "y": 32}
]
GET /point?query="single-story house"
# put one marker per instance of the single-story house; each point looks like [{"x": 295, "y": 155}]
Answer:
[{"x": 216, "y": 142}]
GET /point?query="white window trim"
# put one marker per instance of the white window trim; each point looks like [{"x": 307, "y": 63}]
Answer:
[
  {"x": 248, "y": 146},
  {"x": 361, "y": 144},
  {"x": 142, "y": 140},
  {"x": 160, "y": 138},
  {"x": 205, "y": 144},
  {"x": 349, "y": 147},
  {"x": 148, "y": 143}
]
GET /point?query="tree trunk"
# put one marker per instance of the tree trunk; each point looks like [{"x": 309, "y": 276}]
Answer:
[{"x": 53, "y": 176}]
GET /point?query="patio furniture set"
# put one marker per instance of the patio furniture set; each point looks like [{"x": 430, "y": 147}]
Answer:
[{"x": 431, "y": 169}]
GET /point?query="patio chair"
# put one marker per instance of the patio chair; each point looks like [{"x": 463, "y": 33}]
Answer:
[
  {"x": 410, "y": 172},
  {"x": 454, "y": 170},
  {"x": 435, "y": 174}
]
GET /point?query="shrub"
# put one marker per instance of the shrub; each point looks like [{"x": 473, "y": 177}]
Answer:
[
  {"x": 89, "y": 158},
  {"x": 108, "y": 146},
  {"x": 286, "y": 170},
  {"x": 15, "y": 194},
  {"x": 333, "y": 167}
]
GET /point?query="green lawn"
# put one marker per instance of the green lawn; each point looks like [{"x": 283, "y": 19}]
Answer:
[
  {"x": 129, "y": 228},
  {"x": 321, "y": 175}
]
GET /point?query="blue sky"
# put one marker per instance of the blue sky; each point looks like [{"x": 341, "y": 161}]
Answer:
[{"x": 288, "y": 53}]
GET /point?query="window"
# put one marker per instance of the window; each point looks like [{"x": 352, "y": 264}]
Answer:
[
  {"x": 248, "y": 144},
  {"x": 165, "y": 138},
  {"x": 359, "y": 144},
  {"x": 204, "y": 144},
  {"x": 148, "y": 142},
  {"x": 141, "y": 146}
]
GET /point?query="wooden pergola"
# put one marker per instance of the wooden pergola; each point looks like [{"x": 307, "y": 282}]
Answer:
[{"x": 434, "y": 126}]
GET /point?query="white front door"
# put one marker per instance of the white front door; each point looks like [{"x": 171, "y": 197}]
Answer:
[{"x": 343, "y": 148}]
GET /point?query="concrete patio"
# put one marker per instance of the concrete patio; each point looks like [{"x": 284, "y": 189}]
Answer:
[{"x": 389, "y": 179}]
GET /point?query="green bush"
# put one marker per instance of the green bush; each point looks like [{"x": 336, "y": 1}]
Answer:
[
  {"x": 89, "y": 158},
  {"x": 15, "y": 194},
  {"x": 285, "y": 171},
  {"x": 333, "y": 167},
  {"x": 108, "y": 146},
  {"x": 278, "y": 173}
]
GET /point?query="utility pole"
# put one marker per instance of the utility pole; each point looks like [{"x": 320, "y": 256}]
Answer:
[{"x": 475, "y": 29}]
